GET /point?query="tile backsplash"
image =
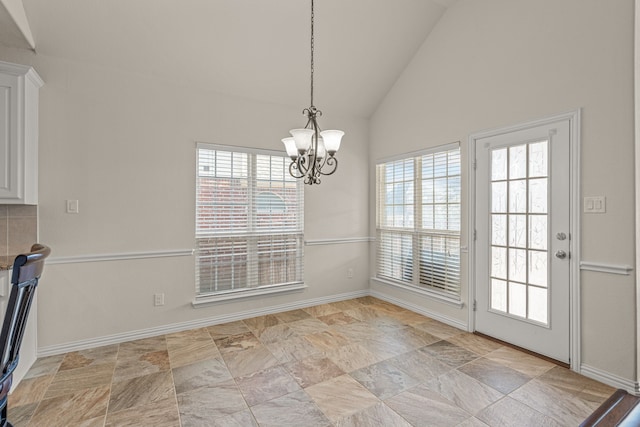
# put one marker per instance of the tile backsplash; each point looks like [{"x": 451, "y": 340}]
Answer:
[{"x": 18, "y": 228}]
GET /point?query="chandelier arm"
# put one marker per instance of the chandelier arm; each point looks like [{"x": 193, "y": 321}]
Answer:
[
  {"x": 331, "y": 162},
  {"x": 300, "y": 164},
  {"x": 293, "y": 167}
]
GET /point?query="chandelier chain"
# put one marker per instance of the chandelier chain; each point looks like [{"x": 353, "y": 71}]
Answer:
[{"x": 312, "y": 50}]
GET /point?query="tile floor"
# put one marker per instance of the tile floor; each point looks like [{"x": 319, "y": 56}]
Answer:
[{"x": 362, "y": 362}]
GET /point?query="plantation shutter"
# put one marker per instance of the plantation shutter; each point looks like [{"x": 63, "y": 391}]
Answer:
[
  {"x": 249, "y": 220},
  {"x": 418, "y": 220}
]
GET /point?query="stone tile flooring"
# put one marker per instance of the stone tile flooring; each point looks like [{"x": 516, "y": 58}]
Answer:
[{"x": 362, "y": 362}]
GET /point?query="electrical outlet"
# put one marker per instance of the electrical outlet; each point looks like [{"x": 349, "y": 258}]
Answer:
[
  {"x": 158, "y": 299},
  {"x": 349, "y": 273},
  {"x": 73, "y": 207}
]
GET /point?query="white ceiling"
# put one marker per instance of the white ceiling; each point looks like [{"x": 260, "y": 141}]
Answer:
[{"x": 257, "y": 49}]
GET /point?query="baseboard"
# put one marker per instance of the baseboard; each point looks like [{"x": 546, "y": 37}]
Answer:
[
  {"x": 630, "y": 386},
  {"x": 420, "y": 310},
  {"x": 192, "y": 324}
]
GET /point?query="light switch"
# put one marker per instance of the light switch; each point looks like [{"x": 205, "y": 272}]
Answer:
[
  {"x": 72, "y": 207},
  {"x": 595, "y": 204}
]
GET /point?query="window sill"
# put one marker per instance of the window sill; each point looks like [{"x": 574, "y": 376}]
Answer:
[
  {"x": 200, "y": 301},
  {"x": 425, "y": 292}
]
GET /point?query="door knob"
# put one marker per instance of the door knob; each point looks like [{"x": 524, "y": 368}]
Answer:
[{"x": 561, "y": 254}]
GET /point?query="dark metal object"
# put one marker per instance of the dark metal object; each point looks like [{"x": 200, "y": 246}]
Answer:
[
  {"x": 27, "y": 269},
  {"x": 308, "y": 165}
]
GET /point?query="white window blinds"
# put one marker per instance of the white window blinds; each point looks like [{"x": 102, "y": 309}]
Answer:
[
  {"x": 418, "y": 221},
  {"x": 249, "y": 220}
]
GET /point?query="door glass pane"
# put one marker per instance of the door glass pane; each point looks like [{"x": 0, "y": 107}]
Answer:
[
  {"x": 499, "y": 295},
  {"x": 538, "y": 195},
  {"x": 499, "y": 230},
  {"x": 519, "y": 230},
  {"x": 499, "y": 197},
  {"x": 518, "y": 162},
  {"x": 538, "y": 304},
  {"x": 499, "y": 164},
  {"x": 499, "y": 262},
  {"x": 517, "y": 299},
  {"x": 538, "y": 268},
  {"x": 518, "y": 265},
  {"x": 538, "y": 232},
  {"x": 538, "y": 159},
  {"x": 518, "y": 196}
]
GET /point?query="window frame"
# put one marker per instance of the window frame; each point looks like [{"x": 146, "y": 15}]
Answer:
[
  {"x": 412, "y": 275},
  {"x": 252, "y": 232}
]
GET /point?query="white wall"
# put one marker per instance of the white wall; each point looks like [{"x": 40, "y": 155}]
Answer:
[
  {"x": 124, "y": 146},
  {"x": 495, "y": 63}
]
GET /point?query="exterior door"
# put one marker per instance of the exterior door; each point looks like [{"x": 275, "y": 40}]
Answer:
[{"x": 522, "y": 223}]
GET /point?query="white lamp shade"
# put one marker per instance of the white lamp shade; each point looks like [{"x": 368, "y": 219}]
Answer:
[
  {"x": 302, "y": 137},
  {"x": 290, "y": 146},
  {"x": 332, "y": 140}
]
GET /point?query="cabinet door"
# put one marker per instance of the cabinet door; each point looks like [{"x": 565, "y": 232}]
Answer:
[{"x": 9, "y": 154}]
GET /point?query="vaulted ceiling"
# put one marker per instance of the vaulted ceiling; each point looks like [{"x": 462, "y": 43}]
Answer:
[{"x": 257, "y": 49}]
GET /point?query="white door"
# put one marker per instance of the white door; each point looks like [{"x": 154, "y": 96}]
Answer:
[{"x": 522, "y": 223}]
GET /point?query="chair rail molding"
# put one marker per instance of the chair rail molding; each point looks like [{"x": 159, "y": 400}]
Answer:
[
  {"x": 120, "y": 256},
  {"x": 602, "y": 267}
]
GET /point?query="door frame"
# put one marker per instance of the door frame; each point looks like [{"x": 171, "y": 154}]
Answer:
[{"x": 575, "y": 209}]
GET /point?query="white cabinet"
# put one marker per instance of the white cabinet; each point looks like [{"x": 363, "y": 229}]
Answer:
[{"x": 19, "y": 87}]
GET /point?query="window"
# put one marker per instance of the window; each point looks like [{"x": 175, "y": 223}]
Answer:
[
  {"x": 418, "y": 221},
  {"x": 249, "y": 221}
]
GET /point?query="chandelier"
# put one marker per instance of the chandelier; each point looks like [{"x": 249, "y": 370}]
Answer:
[{"x": 312, "y": 150}]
